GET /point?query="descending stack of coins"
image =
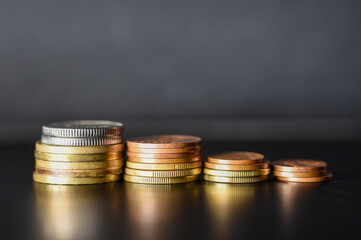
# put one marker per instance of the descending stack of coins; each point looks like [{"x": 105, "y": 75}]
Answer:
[
  {"x": 301, "y": 170},
  {"x": 236, "y": 167},
  {"x": 79, "y": 152},
  {"x": 163, "y": 159}
]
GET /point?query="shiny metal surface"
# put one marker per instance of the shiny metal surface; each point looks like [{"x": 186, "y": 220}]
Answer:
[{"x": 120, "y": 210}]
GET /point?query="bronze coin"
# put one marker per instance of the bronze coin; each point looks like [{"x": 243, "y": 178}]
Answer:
[
  {"x": 238, "y": 167},
  {"x": 163, "y": 155},
  {"x": 164, "y": 160},
  {"x": 235, "y": 158},
  {"x": 299, "y": 165},
  {"x": 299, "y": 174},
  {"x": 306, "y": 179},
  {"x": 165, "y": 150},
  {"x": 164, "y": 141}
]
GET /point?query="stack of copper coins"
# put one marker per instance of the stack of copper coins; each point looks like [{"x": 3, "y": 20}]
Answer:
[
  {"x": 236, "y": 167},
  {"x": 301, "y": 170},
  {"x": 163, "y": 159},
  {"x": 79, "y": 152}
]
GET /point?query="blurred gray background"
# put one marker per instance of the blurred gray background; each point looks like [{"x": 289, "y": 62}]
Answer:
[{"x": 252, "y": 70}]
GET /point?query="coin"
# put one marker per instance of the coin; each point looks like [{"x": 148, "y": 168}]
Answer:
[
  {"x": 74, "y": 181},
  {"x": 163, "y": 174},
  {"x": 234, "y": 179},
  {"x": 164, "y": 141},
  {"x": 306, "y": 179},
  {"x": 78, "y": 165},
  {"x": 299, "y": 174},
  {"x": 95, "y": 141},
  {"x": 163, "y": 155},
  {"x": 79, "y": 173},
  {"x": 164, "y": 160},
  {"x": 79, "y": 157},
  {"x": 164, "y": 150},
  {"x": 222, "y": 173},
  {"x": 299, "y": 165},
  {"x": 237, "y": 167},
  {"x": 234, "y": 158},
  {"x": 167, "y": 166},
  {"x": 83, "y": 128},
  {"x": 152, "y": 180},
  {"x": 42, "y": 147}
]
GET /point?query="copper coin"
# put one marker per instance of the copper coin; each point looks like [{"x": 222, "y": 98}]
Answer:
[
  {"x": 235, "y": 158},
  {"x": 164, "y": 141},
  {"x": 165, "y": 150},
  {"x": 238, "y": 167},
  {"x": 163, "y": 155},
  {"x": 299, "y": 174},
  {"x": 306, "y": 179},
  {"x": 299, "y": 165},
  {"x": 164, "y": 160}
]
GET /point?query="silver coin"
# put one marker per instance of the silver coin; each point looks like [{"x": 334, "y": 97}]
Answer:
[
  {"x": 94, "y": 141},
  {"x": 83, "y": 128}
]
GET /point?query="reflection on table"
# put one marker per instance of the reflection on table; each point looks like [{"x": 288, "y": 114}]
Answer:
[{"x": 73, "y": 212}]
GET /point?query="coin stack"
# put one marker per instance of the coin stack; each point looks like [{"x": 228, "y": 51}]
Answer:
[
  {"x": 79, "y": 152},
  {"x": 301, "y": 170},
  {"x": 236, "y": 167},
  {"x": 163, "y": 159}
]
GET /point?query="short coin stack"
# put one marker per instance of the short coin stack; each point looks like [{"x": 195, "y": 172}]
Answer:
[
  {"x": 79, "y": 152},
  {"x": 236, "y": 167},
  {"x": 301, "y": 170},
  {"x": 163, "y": 159}
]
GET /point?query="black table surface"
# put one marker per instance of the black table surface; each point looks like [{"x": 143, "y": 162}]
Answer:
[{"x": 200, "y": 210}]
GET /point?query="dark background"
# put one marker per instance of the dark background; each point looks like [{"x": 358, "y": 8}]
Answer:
[{"x": 236, "y": 70}]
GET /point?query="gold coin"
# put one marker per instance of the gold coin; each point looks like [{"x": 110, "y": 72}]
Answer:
[
  {"x": 167, "y": 166},
  {"x": 152, "y": 180},
  {"x": 237, "y": 167},
  {"x": 164, "y": 160},
  {"x": 78, "y": 165},
  {"x": 299, "y": 174},
  {"x": 74, "y": 181},
  {"x": 299, "y": 165},
  {"x": 78, "y": 157},
  {"x": 79, "y": 173},
  {"x": 237, "y": 174},
  {"x": 234, "y": 158},
  {"x": 42, "y": 147},
  {"x": 163, "y": 155},
  {"x": 164, "y": 141},
  {"x": 163, "y": 174},
  {"x": 235, "y": 179},
  {"x": 165, "y": 150},
  {"x": 306, "y": 179}
]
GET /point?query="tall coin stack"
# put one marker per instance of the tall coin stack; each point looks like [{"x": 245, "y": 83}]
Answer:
[
  {"x": 301, "y": 170},
  {"x": 79, "y": 152},
  {"x": 236, "y": 167},
  {"x": 163, "y": 159}
]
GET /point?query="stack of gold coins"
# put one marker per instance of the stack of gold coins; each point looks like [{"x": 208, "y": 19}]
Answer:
[
  {"x": 79, "y": 152},
  {"x": 163, "y": 159},
  {"x": 236, "y": 167},
  {"x": 301, "y": 170}
]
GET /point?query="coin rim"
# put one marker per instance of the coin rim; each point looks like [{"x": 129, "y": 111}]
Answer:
[
  {"x": 219, "y": 179},
  {"x": 299, "y": 174},
  {"x": 96, "y": 157},
  {"x": 42, "y": 147},
  {"x": 132, "y": 142},
  {"x": 325, "y": 178},
  {"x": 163, "y": 174},
  {"x": 150, "y": 180},
  {"x": 164, "y": 166},
  {"x": 165, "y": 160},
  {"x": 54, "y": 165},
  {"x": 74, "y": 181},
  {"x": 237, "y": 174},
  {"x": 163, "y": 155},
  {"x": 237, "y": 167}
]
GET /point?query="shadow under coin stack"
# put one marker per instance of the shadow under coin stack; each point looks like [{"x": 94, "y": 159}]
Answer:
[
  {"x": 163, "y": 159},
  {"x": 236, "y": 167},
  {"x": 301, "y": 170},
  {"x": 79, "y": 152}
]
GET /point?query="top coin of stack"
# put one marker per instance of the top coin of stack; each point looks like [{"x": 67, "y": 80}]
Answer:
[
  {"x": 163, "y": 159},
  {"x": 301, "y": 170},
  {"x": 79, "y": 152},
  {"x": 236, "y": 167}
]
